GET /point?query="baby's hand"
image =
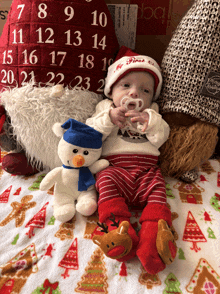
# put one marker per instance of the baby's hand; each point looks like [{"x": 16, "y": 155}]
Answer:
[
  {"x": 141, "y": 117},
  {"x": 117, "y": 116}
]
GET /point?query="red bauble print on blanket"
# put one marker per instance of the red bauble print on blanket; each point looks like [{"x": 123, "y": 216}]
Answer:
[{"x": 69, "y": 42}]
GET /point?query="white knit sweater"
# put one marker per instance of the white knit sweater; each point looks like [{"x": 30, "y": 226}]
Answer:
[{"x": 129, "y": 140}]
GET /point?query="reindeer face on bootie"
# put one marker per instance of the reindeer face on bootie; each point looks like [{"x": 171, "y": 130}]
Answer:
[
  {"x": 79, "y": 150},
  {"x": 114, "y": 244}
]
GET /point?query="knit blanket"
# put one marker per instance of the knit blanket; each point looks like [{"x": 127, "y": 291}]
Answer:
[{"x": 41, "y": 255}]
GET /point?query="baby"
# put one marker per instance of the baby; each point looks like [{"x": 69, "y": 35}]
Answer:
[{"x": 133, "y": 131}]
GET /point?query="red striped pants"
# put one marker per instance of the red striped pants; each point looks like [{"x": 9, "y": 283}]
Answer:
[{"x": 135, "y": 177}]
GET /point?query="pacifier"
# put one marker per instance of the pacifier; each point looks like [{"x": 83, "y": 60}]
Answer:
[{"x": 138, "y": 102}]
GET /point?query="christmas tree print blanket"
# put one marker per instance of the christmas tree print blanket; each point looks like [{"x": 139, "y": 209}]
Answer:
[{"x": 41, "y": 255}]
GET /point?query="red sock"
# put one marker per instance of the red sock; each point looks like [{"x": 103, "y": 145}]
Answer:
[
  {"x": 147, "y": 250},
  {"x": 121, "y": 213}
]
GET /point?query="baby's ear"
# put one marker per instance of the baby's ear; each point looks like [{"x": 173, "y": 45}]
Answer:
[{"x": 58, "y": 130}]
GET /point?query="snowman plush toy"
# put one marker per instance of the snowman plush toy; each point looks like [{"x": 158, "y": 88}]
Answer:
[{"x": 79, "y": 149}]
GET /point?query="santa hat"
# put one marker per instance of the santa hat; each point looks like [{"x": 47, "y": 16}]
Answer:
[
  {"x": 68, "y": 42},
  {"x": 128, "y": 61},
  {"x": 81, "y": 135},
  {"x": 191, "y": 65}
]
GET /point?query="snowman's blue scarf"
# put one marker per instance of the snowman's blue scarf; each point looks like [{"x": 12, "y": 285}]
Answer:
[{"x": 86, "y": 178}]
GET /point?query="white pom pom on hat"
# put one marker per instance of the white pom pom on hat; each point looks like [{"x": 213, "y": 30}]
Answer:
[
  {"x": 58, "y": 130},
  {"x": 127, "y": 61}
]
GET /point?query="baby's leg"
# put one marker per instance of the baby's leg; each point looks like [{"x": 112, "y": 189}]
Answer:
[
  {"x": 147, "y": 250},
  {"x": 152, "y": 192},
  {"x": 120, "y": 212},
  {"x": 112, "y": 201},
  {"x": 154, "y": 195}
]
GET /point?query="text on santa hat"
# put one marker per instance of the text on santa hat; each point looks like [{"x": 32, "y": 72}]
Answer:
[{"x": 131, "y": 60}]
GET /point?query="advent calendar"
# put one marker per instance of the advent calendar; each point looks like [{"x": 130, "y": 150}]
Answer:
[{"x": 57, "y": 42}]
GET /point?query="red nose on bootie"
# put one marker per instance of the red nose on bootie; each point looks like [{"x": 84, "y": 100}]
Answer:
[{"x": 116, "y": 251}]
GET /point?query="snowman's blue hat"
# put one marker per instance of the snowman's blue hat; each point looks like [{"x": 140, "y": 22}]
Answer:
[{"x": 79, "y": 134}]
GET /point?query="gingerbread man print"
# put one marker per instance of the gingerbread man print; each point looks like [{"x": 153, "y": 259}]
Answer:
[{"x": 19, "y": 210}]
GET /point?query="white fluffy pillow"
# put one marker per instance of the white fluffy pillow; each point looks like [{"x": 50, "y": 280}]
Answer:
[{"x": 34, "y": 110}]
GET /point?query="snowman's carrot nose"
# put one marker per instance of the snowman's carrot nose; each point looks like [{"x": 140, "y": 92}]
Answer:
[{"x": 78, "y": 160}]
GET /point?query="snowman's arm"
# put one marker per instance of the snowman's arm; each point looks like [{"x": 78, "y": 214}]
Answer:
[
  {"x": 98, "y": 166},
  {"x": 50, "y": 179}
]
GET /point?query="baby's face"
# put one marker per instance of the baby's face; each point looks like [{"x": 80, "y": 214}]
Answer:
[{"x": 135, "y": 85}]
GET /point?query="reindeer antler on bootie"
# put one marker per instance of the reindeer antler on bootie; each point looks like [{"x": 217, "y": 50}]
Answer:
[
  {"x": 104, "y": 227},
  {"x": 114, "y": 223}
]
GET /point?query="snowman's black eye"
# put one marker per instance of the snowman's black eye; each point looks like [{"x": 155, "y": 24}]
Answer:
[
  {"x": 75, "y": 150},
  {"x": 86, "y": 152}
]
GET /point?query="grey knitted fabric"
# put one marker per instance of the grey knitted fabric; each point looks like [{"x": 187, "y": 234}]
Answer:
[
  {"x": 191, "y": 65},
  {"x": 189, "y": 176}
]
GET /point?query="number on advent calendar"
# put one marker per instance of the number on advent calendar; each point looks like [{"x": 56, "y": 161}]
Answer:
[
  {"x": 77, "y": 38},
  {"x": 17, "y": 36},
  {"x": 47, "y": 38},
  {"x": 69, "y": 11},
  {"x": 42, "y": 13},
  {"x": 26, "y": 77},
  {"x": 7, "y": 57},
  {"x": 81, "y": 81},
  {"x": 30, "y": 59},
  {"x": 49, "y": 53},
  {"x": 58, "y": 58},
  {"x": 101, "y": 43},
  {"x": 8, "y": 77},
  {"x": 101, "y": 20},
  {"x": 21, "y": 7},
  {"x": 86, "y": 62},
  {"x": 52, "y": 76}
]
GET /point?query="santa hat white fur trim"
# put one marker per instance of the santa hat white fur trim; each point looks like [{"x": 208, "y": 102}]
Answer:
[{"x": 128, "y": 64}]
